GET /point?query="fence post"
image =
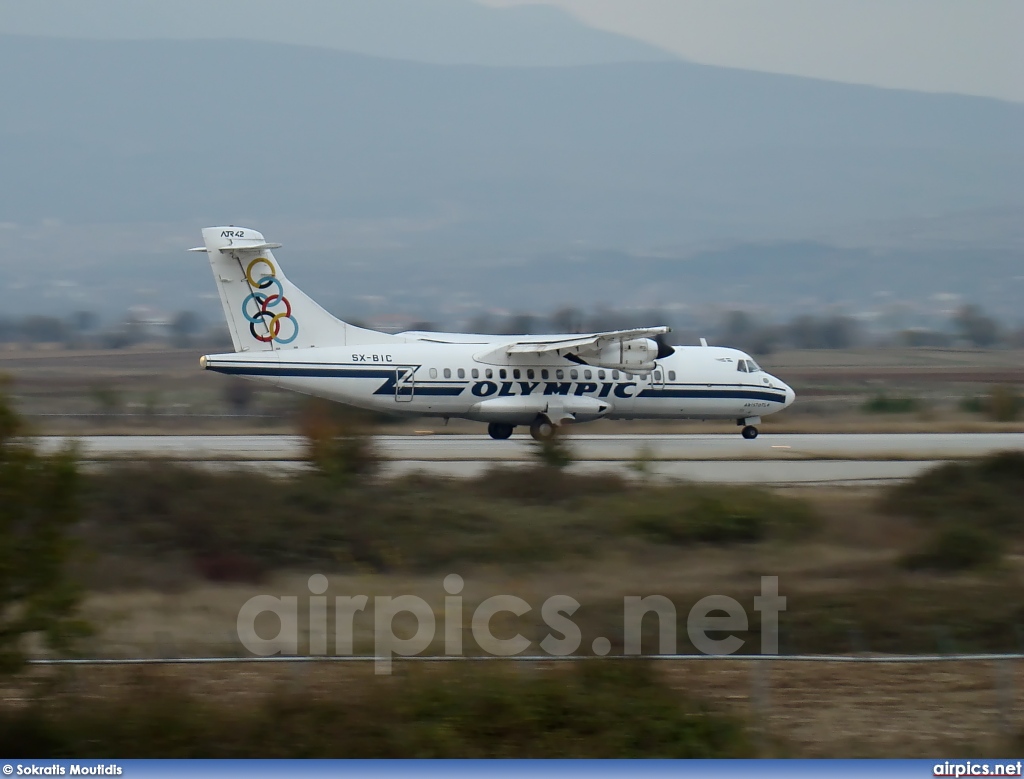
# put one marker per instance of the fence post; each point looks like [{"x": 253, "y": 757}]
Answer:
[
  {"x": 1005, "y": 698},
  {"x": 760, "y": 699}
]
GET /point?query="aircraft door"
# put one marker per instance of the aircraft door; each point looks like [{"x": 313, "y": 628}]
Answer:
[
  {"x": 658, "y": 377},
  {"x": 405, "y": 384}
]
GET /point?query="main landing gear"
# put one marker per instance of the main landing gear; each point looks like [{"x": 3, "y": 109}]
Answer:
[
  {"x": 499, "y": 430},
  {"x": 749, "y": 431},
  {"x": 541, "y": 429}
]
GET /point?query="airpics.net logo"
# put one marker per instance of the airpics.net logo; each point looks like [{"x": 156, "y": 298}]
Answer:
[{"x": 720, "y": 615}]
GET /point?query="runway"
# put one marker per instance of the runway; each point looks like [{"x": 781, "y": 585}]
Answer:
[{"x": 770, "y": 459}]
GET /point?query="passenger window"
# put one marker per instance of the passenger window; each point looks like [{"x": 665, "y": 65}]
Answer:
[
  {"x": 574, "y": 374},
  {"x": 462, "y": 373},
  {"x": 588, "y": 375},
  {"x": 600, "y": 375},
  {"x": 503, "y": 373},
  {"x": 529, "y": 373},
  {"x": 559, "y": 374},
  {"x": 671, "y": 375},
  {"x": 615, "y": 375},
  {"x": 433, "y": 373},
  {"x": 447, "y": 373},
  {"x": 516, "y": 373},
  {"x": 544, "y": 374},
  {"x": 489, "y": 373},
  {"x": 476, "y": 374},
  {"x": 657, "y": 375}
]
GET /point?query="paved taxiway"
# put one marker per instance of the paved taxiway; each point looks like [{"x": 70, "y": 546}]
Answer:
[{"x": 770, "y": 459}]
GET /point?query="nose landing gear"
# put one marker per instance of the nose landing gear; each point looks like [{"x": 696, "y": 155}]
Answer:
[{"x": 747, "y": 423}]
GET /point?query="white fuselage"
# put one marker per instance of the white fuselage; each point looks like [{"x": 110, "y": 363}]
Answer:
[{"x": 446, "y": 379}]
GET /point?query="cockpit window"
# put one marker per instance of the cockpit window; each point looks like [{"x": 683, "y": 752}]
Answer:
[
  {"x": 741, "y": 366},
  {"x": 752, "y": 367}
]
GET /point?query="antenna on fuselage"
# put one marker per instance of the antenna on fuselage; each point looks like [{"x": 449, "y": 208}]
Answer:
[{"x": 703, "y": 341}]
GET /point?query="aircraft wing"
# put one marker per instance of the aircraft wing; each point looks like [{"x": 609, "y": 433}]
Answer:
[{"x": 586, "y": 343}]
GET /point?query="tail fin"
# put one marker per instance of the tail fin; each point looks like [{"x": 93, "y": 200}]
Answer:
[{"x": 264, "y": 310}]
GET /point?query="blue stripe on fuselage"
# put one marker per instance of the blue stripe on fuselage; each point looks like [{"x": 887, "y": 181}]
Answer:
[
  {"x": 712, "y": 394},
  {"x": 389, "y": 377}
]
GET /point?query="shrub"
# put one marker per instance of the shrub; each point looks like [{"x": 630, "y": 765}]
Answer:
[
  {"x": 338, "y": 440},
  {"x": 714, "y": 515},
  {"x": 537, "y": 484},
  {"x": 883, "y": 404},
  {"x": 39, "y": 504},
  {"x": 239, "y": 526},
  {"x": 1004, "y": 403},
  {"x": 974, "y": 405},
  {"x": 987, "y": 493},
  {"x": 592, "y": 710},
  {"x": 553, "y": 452},
  {"x": 956, "y": 548}
]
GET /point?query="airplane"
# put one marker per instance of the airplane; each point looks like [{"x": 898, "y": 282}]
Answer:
[{"x": 282, "y": 337}]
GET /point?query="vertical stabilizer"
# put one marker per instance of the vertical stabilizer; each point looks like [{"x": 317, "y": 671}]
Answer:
[{"x": 265, "y": 311}]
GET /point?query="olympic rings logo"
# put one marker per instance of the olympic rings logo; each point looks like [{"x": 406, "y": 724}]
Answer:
[{"x": 263, "y": 305}]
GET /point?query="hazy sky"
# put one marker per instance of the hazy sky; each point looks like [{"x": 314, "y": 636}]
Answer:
[{"x": 968, "y": 46}]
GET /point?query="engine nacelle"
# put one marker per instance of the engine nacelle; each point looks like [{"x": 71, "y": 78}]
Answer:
[{"x": 635, "y": 356}]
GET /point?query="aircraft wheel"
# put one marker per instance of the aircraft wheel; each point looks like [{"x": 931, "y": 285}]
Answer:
[
  {"x": 542, "y": 430},
  {"x": 499, "y": 430},
  {"x": 749, "y": 432}
]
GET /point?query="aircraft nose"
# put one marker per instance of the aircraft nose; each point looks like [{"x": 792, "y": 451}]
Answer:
[{"x": 790, "y": 395}]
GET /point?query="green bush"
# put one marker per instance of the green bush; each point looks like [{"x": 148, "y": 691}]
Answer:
[
  {"x": 537, "y": 484},
  {"x": 39, "y": 506},
  {"x": 956, "y": 548},
  {"x": 974, "y": 405},
  {"x": 338, "y": 440},
  {"x": 554, "y": 452},
  {"x": 987, "y": 493},
  {"x": 177, "y": 520},
  {"x": 883, "y": 404},
  {"x": 596, "y": 710},
  {"x": 1004, "y": 403},
  {"x": 714, "y": 515}
]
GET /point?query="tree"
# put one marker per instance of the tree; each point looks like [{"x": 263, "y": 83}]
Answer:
[
  {"x": 38, "y": 507},
  {"x": 184, "y": 326},
  {"x": 976, "y": 327},
  {"x": 238, "y": 393}
]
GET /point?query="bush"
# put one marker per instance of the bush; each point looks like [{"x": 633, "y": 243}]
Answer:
[
  {"x": 537, "y": 484},
  {"x": 39, "y": 504},
  {"x": 1004, "y": 403},
  {"x": 338, "y": 440},
  {"x": 553, "y": 452},
  {"x": 714, "y": 515},
  {"x": 974, "y": 405},
  {"x": 956, "y": 548},
  {"x": 596, "y": 710},
  {"x": 987, "y": 493},
  {"x": 883, "y": 404}
]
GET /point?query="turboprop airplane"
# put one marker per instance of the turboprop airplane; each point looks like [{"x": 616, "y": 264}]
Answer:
[{"x": 282, "y": 337}]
